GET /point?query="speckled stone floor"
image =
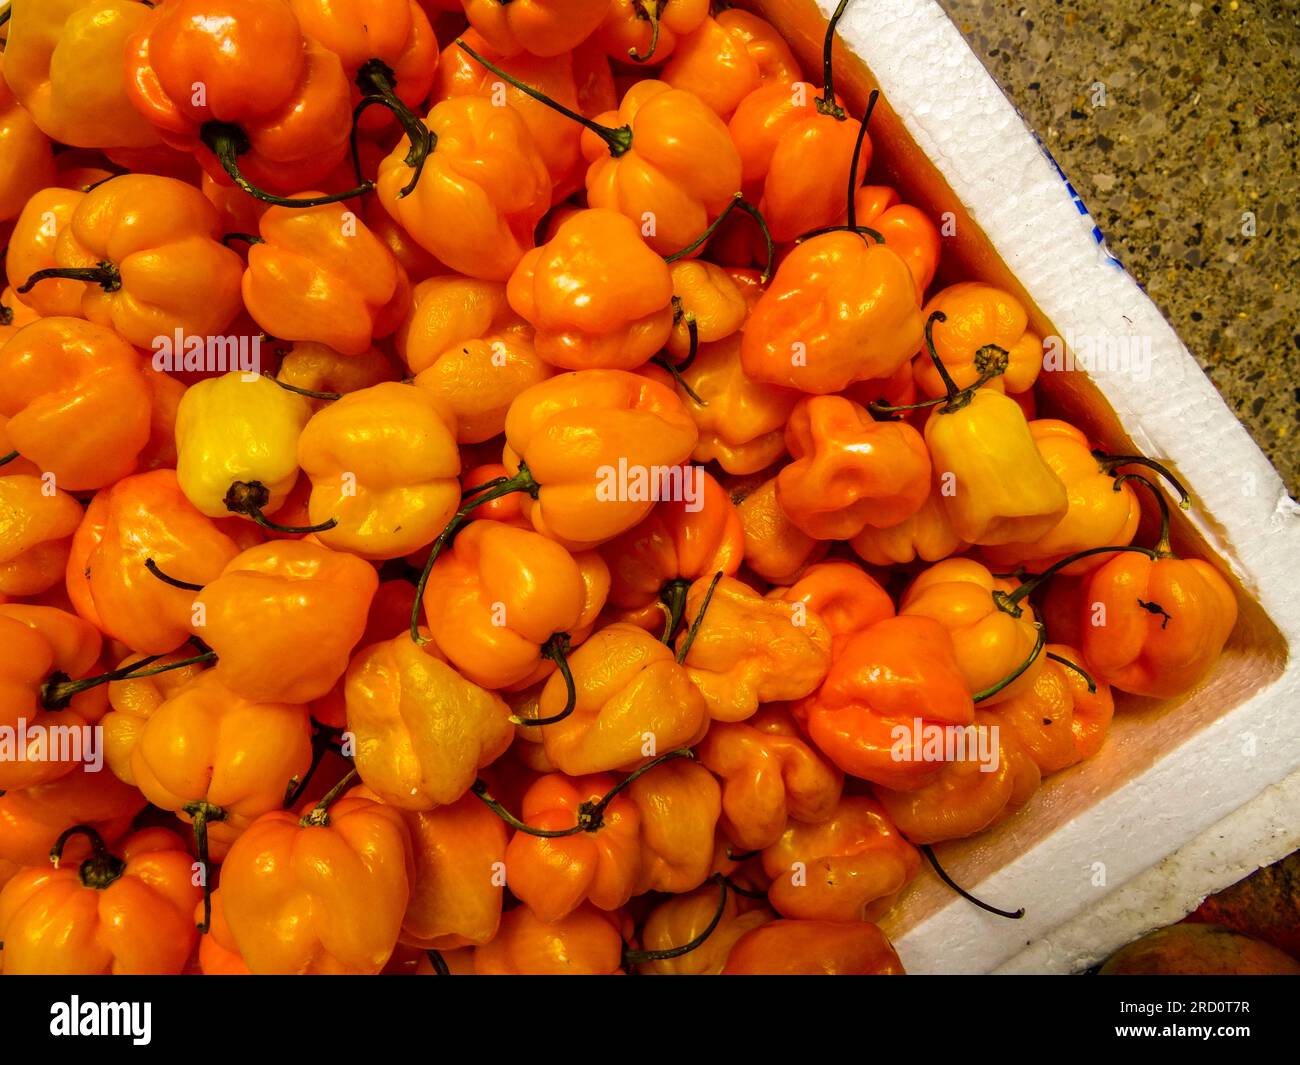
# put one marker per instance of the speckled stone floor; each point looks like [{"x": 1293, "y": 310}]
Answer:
[{"x": 1176, "y": 122}]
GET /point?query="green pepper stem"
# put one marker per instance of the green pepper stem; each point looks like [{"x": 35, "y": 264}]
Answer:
[
  {"x": 619, "y": 141},
  {"x": 995, "y": 364},
  {"x": 438, "y": 962},
  {"x": 522, "y": 481},
  {"x": 1016, "y": 673},
  {"x": 826, "y": 105},
  {"x": 329, "y": 397},
  {"x": 58, "y": 691},
  {"x": 853, "y": 166},
  {"x": 175, "y": 582},
  {"x": 1010, "y": 601},
  {"x": 378, "y": 85},
  {"x": 694, "y": 630},
  {"x": 1074, "y": 667},
  {"x": 557, "y": 650},
  {"x": 202, "y": 814},
  {"x": 1108, "y": 463},
  {"x": 673, "y": 598},
  {"x": 1011, "y": 915},
  {"x": 101, "y": 868},
  {"x": 737, "y": 200},
  {"x": 249, "y": 497},
  {"x": 1163, "y": 547},
  {"x": 104, "y": 274},
  {"x": 246, "y": 238},
  {"x": 6, "y": 459},
  {"x": 228, "y": 142},
  {"x": 320, "y": 743},
  {"x": 319, "y": 815},
  {"x": 639, "y": 957}
]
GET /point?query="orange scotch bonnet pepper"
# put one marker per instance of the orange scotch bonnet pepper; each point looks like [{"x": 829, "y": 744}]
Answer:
[
  {"x": 37, "y": 523},
  {"x": 813, "y": 948},
  {"x": 728, "y": 56},
  {"x": 976, "y": 315}
]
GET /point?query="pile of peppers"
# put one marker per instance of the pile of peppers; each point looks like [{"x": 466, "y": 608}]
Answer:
[{"x": 495, "y": 487}]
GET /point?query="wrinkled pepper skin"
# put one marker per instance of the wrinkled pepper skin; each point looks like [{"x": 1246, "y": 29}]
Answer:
[
  {"x": 164, "y": 268},
  {"x": 554, "y": 876},
  {"x": 905, "y": 228},
  {"x": 626, "y": 33},
  {"x": 64, "y": 62},
  {"x": 634, "y": 701},
  {"x": 237, "y": 428},
  {"x": 383, "y": 463},
  {"x": 882, "y": 680},
  {"x": 1102, "y": 510},
  {"x": 143, "y": 517},
  {"x": 729, "y": 56},
  {"x": 319, "y": 898},
  {"x": 207, "y": 744},
  {"x": 1059, "y": 721},
  {"x": 927, "y": 536},
  {"x": 422, "y": 730},
  {"x": 596, "y": 294},
  {"x": 681, "y": 171},
  {"x": 540, "y": 27},
  {"x": 500, "y": 593},
  {"x": 750, "y": 650},
  {"x": 133, "y": 700},
  {"x": 679, "y": 802},
  {"x": 849, "y": 867},
  {"x": 716, "y": 298},
  {"x": 319, "y": 274},
  {"x": 619, "y": 417},
  {"x": 45, "y": 216},
  {"x": 965, "y": 797},
  {"x": 979, "y": 314},
  {"x": 769, "y": 775},
  {"x": 26, "y": 159},
  {"x": 129, "y": 919},
  {"x": 586, "y": 942},
  {"x": 990, "y": 643},
  {"x": 813, "y": 948},
  {"x": 486, "y": 173},
  {"x": 77, "y": 401},
  {"x": 1001, "y": 489},
  {"x": 308, "y": 605},
  {"x": 681, "y": 918},
  {"x": 842, "y": 594},
  {"x": 849, "y": 470},
  {"x": 296, "y": 122},
  {"x": 459, "y": 852},
  {"x": 1140, "y": 650},
  {"x": 840, "y": 309},
  {"x": 37, "y": 522}
]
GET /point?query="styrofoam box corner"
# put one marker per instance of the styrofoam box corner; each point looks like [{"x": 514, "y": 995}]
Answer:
[{"x": 1202, "y": 816}]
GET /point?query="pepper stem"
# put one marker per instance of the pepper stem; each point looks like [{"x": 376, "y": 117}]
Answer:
[
  {"x": 439, "y": 964},
  {"x": 522, "y": 481},
  {"x": 1108, "y": 463},
  {"x": 673, "y": 597},
  {"x": 329, "y": 397},
  {"x": 618, "y": 140},
  {"x": 1074, "y": 667},
  {"x": 638, "y": 957},
  {"x": 249, "y": 497},
  {"x": 1163, "y": 547},
  {"x": 649, "y": 9},
  {"x": 105, "y": 274},
  {"x": 202, "y": 814},
  {"x": 175, "y": 582},
  {"x": 101, "y": 868},
  {"x": 1011, "y": 915},
  {"x": 228, "y": 142},
  {"x": 58, "y": 691},
  {"x": 1016, "y": 673},
  {"x": 853, "y": 166},
  {"x": 737, "y": 200},
  {"x": 826, "y": 105},
  {"x": 377, "y": 83},
  {"x": 557, "y": 650},
  {"x": 694, "y": 630},
  {"x": 1010, "y": 601},
  {"x": 319, "y": 815},
  {"x": 6, "y": 459}
]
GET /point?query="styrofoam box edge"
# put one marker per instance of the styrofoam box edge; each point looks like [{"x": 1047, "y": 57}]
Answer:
[{"x": 957, "y": 114}]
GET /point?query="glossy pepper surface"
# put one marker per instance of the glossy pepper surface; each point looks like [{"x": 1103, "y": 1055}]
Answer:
[
  {"x": 308, "y": 606},
  {"x": 76, "y": 401},
  {"x": 978, "y": 315},
  {"x": 422, "y": 730},
  {"x": 849, "y": 470},
  {"x": 383, "y": 464},
  {"x": 679, "y": 802},
  {"x": 36, "y": 526},
  {"x": 727, "y": 57},
  {"x": 122, "y": 914},
  {"x": 813, "y": 948},
  {"x": 587, "y": 942},
  {"x": 26, "y": 159},
  {"x": 596, "y": 294},
  {"x": 683, "y": 918},
  {"x": 321, "y": 893}
]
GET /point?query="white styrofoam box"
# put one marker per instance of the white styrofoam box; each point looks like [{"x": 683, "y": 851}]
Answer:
[{"x": 1182, "y": 780}]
